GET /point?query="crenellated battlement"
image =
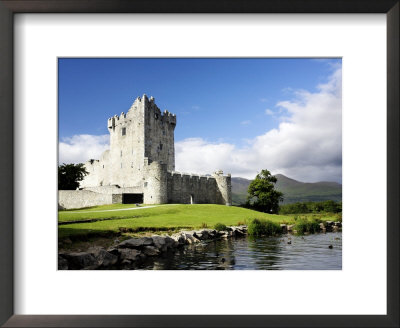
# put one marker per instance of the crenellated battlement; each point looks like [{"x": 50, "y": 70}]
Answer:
[
  {"x": 147, "y": 106},
  {"x": 192, "y": 175}
]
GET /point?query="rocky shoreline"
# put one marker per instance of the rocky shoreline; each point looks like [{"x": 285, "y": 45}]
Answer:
[{"x": 130, "y": 253}]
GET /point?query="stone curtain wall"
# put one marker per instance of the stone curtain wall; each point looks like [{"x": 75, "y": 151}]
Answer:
[
  {"x": 185, "y": 188},
  {"x": 68, "y": 199}
]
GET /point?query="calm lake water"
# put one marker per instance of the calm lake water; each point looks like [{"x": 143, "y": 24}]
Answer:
[{"x": 310, "y": 252}]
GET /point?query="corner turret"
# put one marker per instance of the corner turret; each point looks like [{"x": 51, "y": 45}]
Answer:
[{"x": 224, "y": 183}]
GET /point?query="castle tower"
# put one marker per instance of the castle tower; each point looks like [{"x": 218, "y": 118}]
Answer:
[
  {"x": 159, "y": 134},
  {"x": 155, "y": 186},
  {"x": 143, "y": 132},
  {"x": 224, "y": 185}
]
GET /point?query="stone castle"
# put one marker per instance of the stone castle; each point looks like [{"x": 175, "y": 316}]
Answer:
[{"x": 139, "y": 167}]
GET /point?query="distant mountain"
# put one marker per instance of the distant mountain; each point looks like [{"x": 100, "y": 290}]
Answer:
[{"x": 293, "y": 190}]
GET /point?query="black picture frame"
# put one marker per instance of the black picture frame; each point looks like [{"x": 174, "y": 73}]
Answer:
[{"x": 7, "y": 10}]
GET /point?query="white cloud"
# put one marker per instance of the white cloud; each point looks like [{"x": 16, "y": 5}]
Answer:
[
  {"x": 269, "y": 112},
  {"x": 247, "y": 122},
  {"x": 80, "y": 148},
  {"x": 195, "y": 155},
  {"x": 306, "y": 146}
]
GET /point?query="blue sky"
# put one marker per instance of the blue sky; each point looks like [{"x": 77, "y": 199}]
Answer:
[{"x": 218, "y": 102}]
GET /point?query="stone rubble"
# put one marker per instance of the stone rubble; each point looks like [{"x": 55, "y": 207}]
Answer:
[{"x": 129, "y": 253}]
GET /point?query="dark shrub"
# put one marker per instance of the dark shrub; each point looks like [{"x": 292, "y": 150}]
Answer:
[
  {"x": 304, "y": 225},
  {"x": 220, "y": 227},
  {"x": 259, "y": 228}
]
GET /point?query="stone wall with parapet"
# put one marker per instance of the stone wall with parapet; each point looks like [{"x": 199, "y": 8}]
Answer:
[
  {"x": 68, "y": 199},
  {"x": 189, "y": 188}
]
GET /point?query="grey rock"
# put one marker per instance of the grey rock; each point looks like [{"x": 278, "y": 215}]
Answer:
[
  {"x": 212, "y": 234},
  {"x": 126, "y": 262},
  {"x": 199, "y": 235},
  {"x": 127, "y": 254},
  {"x": 62, "y": 263},
  {"x": 237, "y": 233},
  {"x": 136, "y": 243},
  {"x": 113, "y": 250},
  {"x": 160, "y": 243},
  {"x": 104, "y": 258},
  {"x": 81, "y": 260},
  {"x": 170, "y": 242},
  {"x": 94, "y": 250},
  {"x": 179, "y": 238},
  {"x": 190, "y": 239},
  {"x": 107, "y": 259},
  {"x": 150, "y": 251}
]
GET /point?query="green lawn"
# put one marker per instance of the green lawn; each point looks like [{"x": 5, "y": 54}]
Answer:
[
  {"x": 96, "y": 212},
  {"x": 161, "y": 217}
]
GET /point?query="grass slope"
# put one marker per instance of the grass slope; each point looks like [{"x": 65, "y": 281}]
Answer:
[
  {"x": 164, "y": 217},
  {"x": 294, "y": 191}
]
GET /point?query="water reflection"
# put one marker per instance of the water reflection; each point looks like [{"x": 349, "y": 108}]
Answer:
[{"x": 275, "y": 253}]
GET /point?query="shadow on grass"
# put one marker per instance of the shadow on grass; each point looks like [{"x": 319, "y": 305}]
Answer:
[
  {"x": 86, "y": 234},
  {"x": 95, "y": 220}
]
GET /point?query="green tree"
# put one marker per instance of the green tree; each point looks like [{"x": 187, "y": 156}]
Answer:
[
  {"x": 262, "y": 195},
  {"x": 69, "y": 176}
]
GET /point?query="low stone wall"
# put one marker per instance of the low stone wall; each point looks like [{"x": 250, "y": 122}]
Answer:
[
  {"x": 131, "y": 252},
  {"x": 68, "y": 199}
]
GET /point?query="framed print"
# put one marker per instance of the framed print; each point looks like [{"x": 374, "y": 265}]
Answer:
[{"x": 58, "y": 52}]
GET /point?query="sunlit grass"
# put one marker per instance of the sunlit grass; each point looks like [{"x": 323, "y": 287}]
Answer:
[
  {"x": 161, "y": 217},
  {"x": 164, "y": 218}
]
